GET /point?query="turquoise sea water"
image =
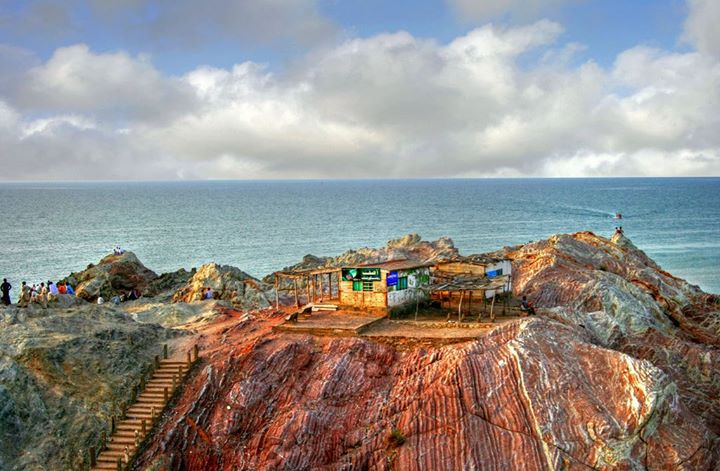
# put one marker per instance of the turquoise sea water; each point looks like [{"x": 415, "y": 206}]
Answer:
[{"x": 51, "y": 229}]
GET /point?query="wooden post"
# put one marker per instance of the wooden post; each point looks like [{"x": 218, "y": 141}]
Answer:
[
  {"x": 492, "y": 304},
  {"x": 322, "y": 289},
  {"x": 277, "y": 293},
  {"x": 119, "y": 464},
  {"x": 330, "y": 294},
  {"x": 174, "y": 381},
  {"x": 165, "y": 352},
  {"x": 189, "y": 359},
  {"x": 93, "y": 459},
  {"x": 152, "y": 414},
  {"x": 462, "y": 295},
  {"x": 307, "y": 288},
  {"x": 295, "y": 290},
  {"x": 112, "y": 423},
  {"x": 196, "y": 352},
  {"x": 165, "y": 394},
  {"x": 180, "y": 371},
  {"x": 157, "y": 361},
  {"x": 144, "y": 428}
]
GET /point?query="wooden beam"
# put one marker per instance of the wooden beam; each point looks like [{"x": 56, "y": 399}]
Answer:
[
  {"x": 492, "y": 304},
  {"x": 297, "y": 303},
  {"x": 322, "y": 289}
]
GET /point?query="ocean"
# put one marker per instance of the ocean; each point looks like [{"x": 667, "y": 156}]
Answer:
[{"x": 51, "y": 229}]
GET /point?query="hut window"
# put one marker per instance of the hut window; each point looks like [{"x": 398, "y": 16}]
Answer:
[
  {"x": 367, "y": 285},
  {"x": 402, "y": 283},
  {"x": 357, "y": 285}
]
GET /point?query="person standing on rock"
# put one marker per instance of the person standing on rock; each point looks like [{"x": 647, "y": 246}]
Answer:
[
  {"x": 5, "y": 287},
  {"x": 25, "y": 293},
  {"x": 43, "y": 296}
]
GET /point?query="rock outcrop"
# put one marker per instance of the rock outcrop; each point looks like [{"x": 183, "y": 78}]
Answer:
[
  {"x": 625, "y": 301},
  {"x": 410, "y": 247},
  {"x": 167, "y": 284},
  {"x": 63, "y": 373},
  {"x": 113, "y": 274},
  {"x": 531, "y": 395},
  {"x": 228, "y": 283}
]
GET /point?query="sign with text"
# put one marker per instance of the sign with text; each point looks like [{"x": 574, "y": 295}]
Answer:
[
  {"x": 361, "y": 274},
  {"x": 392, "y": 278}
]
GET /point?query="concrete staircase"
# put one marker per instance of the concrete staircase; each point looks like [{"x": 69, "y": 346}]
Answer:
[{"x": 140, "y": 417}]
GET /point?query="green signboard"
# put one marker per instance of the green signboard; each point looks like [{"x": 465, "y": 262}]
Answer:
[{"x": 361, "y": 274}]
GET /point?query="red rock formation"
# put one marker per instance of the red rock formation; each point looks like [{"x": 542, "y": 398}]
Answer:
[
  {"x": 622, "y": 373},
  {"x": 531, "y": 395},
  {"x": 630, "y": 304}
]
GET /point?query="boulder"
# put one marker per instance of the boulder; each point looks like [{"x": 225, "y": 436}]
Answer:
[
  {"x": 228, "y": 283},
  {"x": 168, "y": 283},
  {"x": 113, "y": 274}
]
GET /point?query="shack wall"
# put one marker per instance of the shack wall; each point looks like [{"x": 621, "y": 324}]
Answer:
[
  {"x": 417, "y": 278},
  {"x": 462, "y": 267}
]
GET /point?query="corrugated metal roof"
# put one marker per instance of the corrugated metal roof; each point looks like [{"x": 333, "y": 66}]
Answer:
[{"x": 390, "y": 265}]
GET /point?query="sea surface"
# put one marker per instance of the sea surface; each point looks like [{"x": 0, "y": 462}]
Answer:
[{"x": 48, "y": 230}]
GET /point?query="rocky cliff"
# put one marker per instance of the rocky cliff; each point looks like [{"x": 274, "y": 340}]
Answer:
[
  {"x": 620, "y": 371},
  {"x": 63, "y": 373},
  {"x": 625, "y": 301},
  {"x": 113, "y": 274}
]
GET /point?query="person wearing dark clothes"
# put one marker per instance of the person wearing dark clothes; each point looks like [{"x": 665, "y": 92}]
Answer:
[
  {"x": 5, "y": 287},
  {"x": 527, "y": 307}
]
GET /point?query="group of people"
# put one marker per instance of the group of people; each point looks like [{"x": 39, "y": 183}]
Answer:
[
  {"x": 41, "y": 294},
  {"x": 122, "y": 297}
]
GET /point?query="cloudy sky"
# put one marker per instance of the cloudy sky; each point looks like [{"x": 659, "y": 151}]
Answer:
[{"x": 246, "y": 89}]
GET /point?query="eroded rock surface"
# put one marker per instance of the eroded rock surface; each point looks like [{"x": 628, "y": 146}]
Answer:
[
  {"x": 531, "y": 395},
  {"x": 228, "y": 284},
  {"x": 113, "y": 274},
  {"x": 63, "y": 373},
  {"x": 625, "y": 301}
]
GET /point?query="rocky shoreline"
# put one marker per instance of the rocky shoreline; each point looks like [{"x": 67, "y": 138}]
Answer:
[{"x": 619, "y": 372}]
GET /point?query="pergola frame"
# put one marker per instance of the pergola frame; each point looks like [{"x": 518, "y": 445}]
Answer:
[
  {"x": 467, "y": 284},
  {"x": 312, "y": 280}
]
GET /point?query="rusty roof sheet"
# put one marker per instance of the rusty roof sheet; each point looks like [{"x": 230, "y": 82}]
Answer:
[{"x": 389, "y": 265}]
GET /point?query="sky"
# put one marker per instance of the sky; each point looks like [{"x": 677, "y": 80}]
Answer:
[{"x": 283, "y": 89}]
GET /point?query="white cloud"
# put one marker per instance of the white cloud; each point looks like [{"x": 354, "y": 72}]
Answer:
[
  {"x": 75, "y": 79},
  {"x": 391, "y": 105},
  {"x": 701, "y": 26}
]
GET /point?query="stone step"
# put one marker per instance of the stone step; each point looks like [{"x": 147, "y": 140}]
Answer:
[
  {"x": 155, "y": 400},
  {"x": 126, "y": 432},
  {"x": 123, "y": 439},
  {"x": 112, "y": 456}
]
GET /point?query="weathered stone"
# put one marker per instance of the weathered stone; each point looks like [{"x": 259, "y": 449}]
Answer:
[
  {"x": 113, "y": 274},
  {"x": 228, "y": 283},
  {"x": 531, "y": 395},
  {"x": 61, "y": 373}
]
